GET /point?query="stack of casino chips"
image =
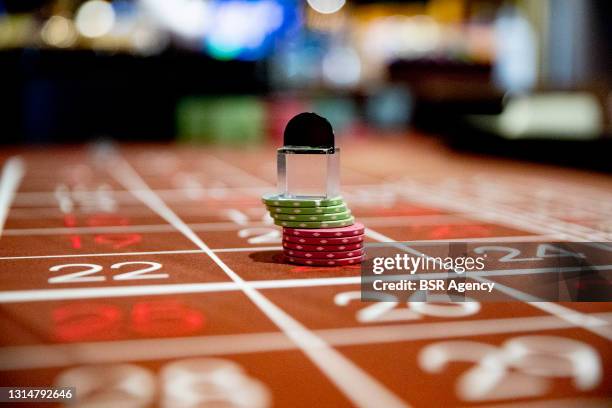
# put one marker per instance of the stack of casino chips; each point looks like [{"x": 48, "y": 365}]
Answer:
[{"x": 317, "y": 232}]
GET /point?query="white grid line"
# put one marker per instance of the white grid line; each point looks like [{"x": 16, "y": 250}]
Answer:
[
  {"x": 356, "y": 385},
  {"x": 503, "y": 214},
  {"x": 549, "y": 307},
  {"x": 169, "y": 252},
  {"x": 12, "y": 174},
  {"x": 60, "y": 355},
  {"x": 522, "y": 238},
  {"x": 568, "y": 229},
  {"x": 577, "y": 318},
  {"x": 37, "y": 295},
  {"x": 398, "y": 221}
]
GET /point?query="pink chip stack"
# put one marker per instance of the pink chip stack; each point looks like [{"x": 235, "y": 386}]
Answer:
[{"x": 324, "y": 246}]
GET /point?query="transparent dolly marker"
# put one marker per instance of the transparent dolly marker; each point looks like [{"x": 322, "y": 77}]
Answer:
[
  {"x": 308, "y": 164},
  {"x": 308, "y": 172}
]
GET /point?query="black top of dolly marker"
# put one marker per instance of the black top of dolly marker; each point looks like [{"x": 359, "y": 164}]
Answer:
[{"x": 309, "y": 130}]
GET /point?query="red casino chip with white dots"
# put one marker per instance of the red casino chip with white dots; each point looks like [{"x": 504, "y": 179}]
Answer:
[
  {"x": 318, "y": 248},
  {"x": 323, "y": 241},
  {"x": 325, "y": 262},
  {"x": 323, "y": 255},
  {"x": 350, "y": 231}
]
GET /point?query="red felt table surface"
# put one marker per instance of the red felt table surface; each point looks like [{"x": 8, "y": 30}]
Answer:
[{"x": 157, "y": 265}]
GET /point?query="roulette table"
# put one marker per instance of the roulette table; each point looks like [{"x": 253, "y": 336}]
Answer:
[{"x": 152, "y": 275}]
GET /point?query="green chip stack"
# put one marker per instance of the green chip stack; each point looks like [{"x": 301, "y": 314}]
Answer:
[
  {"x": 308, "y": 213},
  {"x": 317, "y": 232}
]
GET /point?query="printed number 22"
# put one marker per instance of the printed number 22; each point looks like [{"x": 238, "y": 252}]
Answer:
[{"x": 88, "y": 274}]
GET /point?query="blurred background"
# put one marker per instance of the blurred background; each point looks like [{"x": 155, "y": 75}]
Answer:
[{"x": 523, "y": 78}]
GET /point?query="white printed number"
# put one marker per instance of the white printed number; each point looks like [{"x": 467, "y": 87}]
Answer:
[
  {"x": 543, "y": 251},
  {"x": 522, "y": 367},
  {"x": 388, "y": 308},
  {"x": 87, "y": 272},
  {"x": 192, "y": 383}
]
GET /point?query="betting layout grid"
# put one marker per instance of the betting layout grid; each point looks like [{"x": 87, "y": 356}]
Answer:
[{"x": 186, "y": 229}]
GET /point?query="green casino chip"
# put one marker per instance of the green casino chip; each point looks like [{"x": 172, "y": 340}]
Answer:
[
  {"x": 316, "y": 224},
  {"x": 279, "y": 201},
  {"x": 333, "y": 209},
  {"x": 313, "y": 217}
]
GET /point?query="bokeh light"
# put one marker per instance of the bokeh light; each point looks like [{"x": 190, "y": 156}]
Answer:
[
  {"x": 59, "y": 32},
  {"x": 342, "y": 67},
  {"x": 189, "y": 19},
  {"x": 326, "y": 6},
  {"x": 95, "y": 18},
  {"x": 247, "y": 30}
]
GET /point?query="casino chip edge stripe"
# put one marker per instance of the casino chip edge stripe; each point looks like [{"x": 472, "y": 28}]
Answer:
[
  {"x": 332, "y": 209},
  {"x": 325, "y": 262},
  {"x": 313, "y": 217},
  {"x": 323, "y": 240},
  {"x": 316, "y": 224},
  {"x": 323, "y": 254},
  {"x": 325, "y": 248},
  {"x": 349, "y": 231},
  {"x": 274, "y": 200}
]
